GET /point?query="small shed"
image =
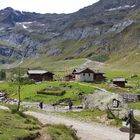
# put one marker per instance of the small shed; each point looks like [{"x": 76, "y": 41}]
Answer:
[
  {"x": 40, "y": 75},
  {"x": 120, "y": 82}
]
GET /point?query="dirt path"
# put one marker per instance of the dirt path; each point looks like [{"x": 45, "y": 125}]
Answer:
[{"x": 87, "y": 131}]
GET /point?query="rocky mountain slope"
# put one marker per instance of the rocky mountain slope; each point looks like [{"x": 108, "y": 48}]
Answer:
[{"x": 96, "y": 31}]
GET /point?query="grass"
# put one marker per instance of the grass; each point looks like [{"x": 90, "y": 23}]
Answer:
[
  {"x": 124, "y": 63},
  {"x": 61, "y": 132},
  {"x": 58, "y": 67},
  {"x": 29, "y": 92},
  {"x": 51, "y": 64},
  {"x": 14, "y": 126},
  {"x": 52, "y": 90},
  {"x": 85, "y": 115},
  {"x": 17, "y": 126},
  {"x": 94, "y": 115},
  {"x": 134, "y": 105},
  {"x": 111, "y": 88}
]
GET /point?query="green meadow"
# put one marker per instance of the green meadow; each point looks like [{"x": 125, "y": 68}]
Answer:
[
  {"x": 17, "y": 126},
  {"x": 61, "y": 132},
  {"x": 29, "y": 91}
]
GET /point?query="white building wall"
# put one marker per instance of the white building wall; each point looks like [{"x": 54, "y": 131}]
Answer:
[
  {"x": 85, "y": 77},
  {"x": 77, "y": 77}
]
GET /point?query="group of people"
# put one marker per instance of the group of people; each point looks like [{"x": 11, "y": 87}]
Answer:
[{"x": 70, "y": 104}]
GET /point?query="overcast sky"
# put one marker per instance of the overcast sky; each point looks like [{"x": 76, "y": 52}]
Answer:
[{"x": 46, "y": 6}]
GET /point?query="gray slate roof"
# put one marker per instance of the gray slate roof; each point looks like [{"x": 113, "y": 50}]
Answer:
[
  {"x": 37, "y": 71},
  {"x": 99, "y": 72},
  {"x": 79, "y": 70},
  {"x": 119, "y": 80}
]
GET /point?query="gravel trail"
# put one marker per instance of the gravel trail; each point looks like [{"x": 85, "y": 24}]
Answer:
[{"x": 86, "y": 131}]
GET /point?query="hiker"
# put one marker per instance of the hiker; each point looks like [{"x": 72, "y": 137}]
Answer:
[
  {"x": 70, "y": 104},
  {"x": 41, "y": 105},
  {"x": 54, "y": 106}
]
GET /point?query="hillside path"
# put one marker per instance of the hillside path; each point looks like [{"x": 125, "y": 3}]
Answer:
[
  {"x": 85, "y": 130},
  {"x": 96, "y": 87}
]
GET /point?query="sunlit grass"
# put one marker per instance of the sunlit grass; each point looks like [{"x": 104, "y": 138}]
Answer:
[{"x": 29, "y": 91}]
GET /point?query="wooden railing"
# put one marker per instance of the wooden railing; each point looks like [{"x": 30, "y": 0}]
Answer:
[{"x": 134, "y": 126}]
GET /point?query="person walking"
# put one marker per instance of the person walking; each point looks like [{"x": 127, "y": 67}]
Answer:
[
  {"x": 41, "y": 105},
  {"x": 70, "y": 104}
]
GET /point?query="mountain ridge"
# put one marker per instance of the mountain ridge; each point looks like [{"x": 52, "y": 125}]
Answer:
[{"x": 90, "y": 32}]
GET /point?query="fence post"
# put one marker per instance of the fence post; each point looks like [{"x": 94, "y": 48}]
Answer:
[{"x": 131, "y": 134}]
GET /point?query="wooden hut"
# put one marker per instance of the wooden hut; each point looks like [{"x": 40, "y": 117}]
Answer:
[
  {"x": 40, "y": 75},
  {"x": 88, "y": 75},
  {"x": 120, "y": 82}
]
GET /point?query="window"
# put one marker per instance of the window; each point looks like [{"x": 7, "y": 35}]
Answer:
[
  {"x": 89, "y": 74},
  {"x": 83, "y": 74},
  {"x": 115, "y": 103}
]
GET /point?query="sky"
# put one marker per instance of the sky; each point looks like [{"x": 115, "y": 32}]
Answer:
[{"x": 46, "y": 6}]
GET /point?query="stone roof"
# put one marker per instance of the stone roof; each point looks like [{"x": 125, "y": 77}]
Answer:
[
  {"x": 79, "y": 70},
  {"x": 98, "y": 72},
  {"x": 119, "y": 80},
  {"x": 37, "y": 71}
]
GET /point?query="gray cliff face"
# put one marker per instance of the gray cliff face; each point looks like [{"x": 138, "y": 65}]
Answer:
[
  {"x": 24, "y": 34},
  {"x": 81, "y": 33}
]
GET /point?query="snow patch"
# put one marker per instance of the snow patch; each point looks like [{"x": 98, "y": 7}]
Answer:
[
  {"x": 1, "y": 29},
  {"x": 121, "y": 7},
  {"x": 22, "y": 23},
  {"x": 25, "y": 27},
  {"x": 133, "y": 6},
  {"x": 22, "y": 12},
  {"x": 16, "y": 13},
  {"x": 42, "y": 24}
]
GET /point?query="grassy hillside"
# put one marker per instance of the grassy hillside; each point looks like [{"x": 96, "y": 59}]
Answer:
[
  {"x": 51, "y": 64},
  {"x": 59, "y": 68},
  {"x": 120, "y": 52},
  {"x": 14, "y": 126},
  {"x": 123, "y": 65},
  {"x": 17, "y": 126},
  {"x": 61, "y": 132}
]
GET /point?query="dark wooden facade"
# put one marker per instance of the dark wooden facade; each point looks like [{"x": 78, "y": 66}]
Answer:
[
  {"x": 99, "y": 77},
  {"x": 120, "y": 82},
  {"x": 36, "y": 76}
]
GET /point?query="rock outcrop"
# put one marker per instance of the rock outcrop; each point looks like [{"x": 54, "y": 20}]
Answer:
[{"x": 104, "y": 101}]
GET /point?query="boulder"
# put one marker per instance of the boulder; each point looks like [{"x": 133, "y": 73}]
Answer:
[{"x": 104, "y": 101}]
